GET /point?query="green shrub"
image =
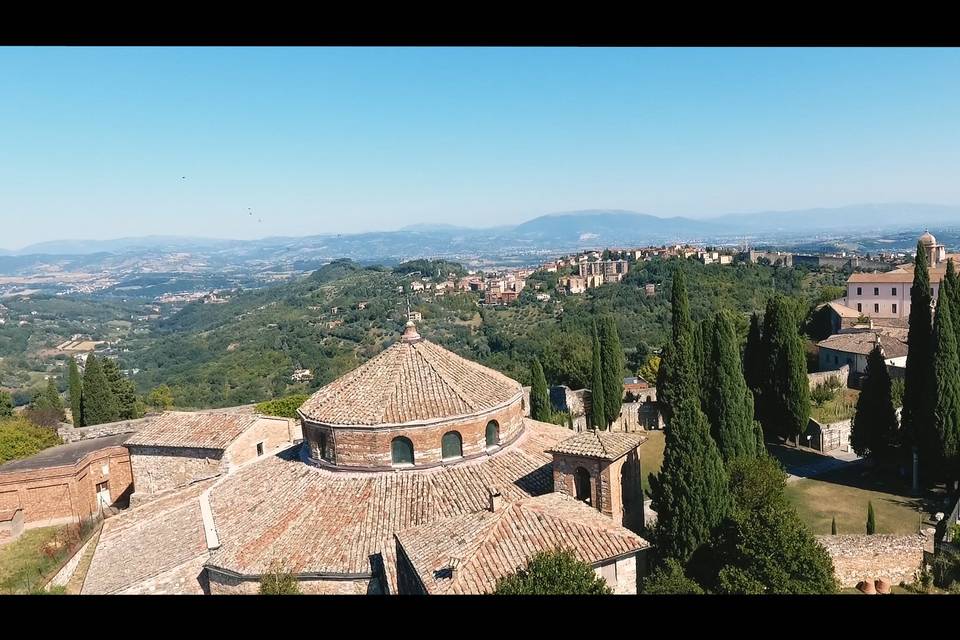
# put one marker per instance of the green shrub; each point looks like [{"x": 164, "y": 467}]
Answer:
[
  {"x": 553, "y": 573},
  {"x": 285, "y": 407},
  {"x": 20, "y": 438},
  {"x": 278, "y": 582}
]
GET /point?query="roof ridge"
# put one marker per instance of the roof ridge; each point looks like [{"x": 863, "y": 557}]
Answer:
[{"x": 457, "y": 389}]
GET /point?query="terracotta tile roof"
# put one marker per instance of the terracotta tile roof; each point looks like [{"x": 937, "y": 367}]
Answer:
[
  {"x": 323, "y": 521},
  {"x": 862, "y": 342},
  {"x": 606, "y": 445},
  {"x": 491, "y": 545},
  {"x": 843, "y": 311},
  {"x": 410, "y": 382},
  {"x": 902, "y": 275},
  {"x": 145, "y": 541},
  {"x": 193, "y": 429}
]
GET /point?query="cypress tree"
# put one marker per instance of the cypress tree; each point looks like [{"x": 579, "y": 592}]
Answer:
[
  {"x": 97, "y": 402},
  {"x": 874, "y": 427},
  {"x": 676, "y": 366},
  {"x": 760, "y": 444},
  {"x": 943, "y": 451},
  {"x": 612, "y": 362},
  {"x": 917, "y": 411},
  {"x": 833, "y": 526},
  {"x": 871, "y": 519},
  {"x": 950, "y": 285},
  {"x": 786, "y": 393},
  {"x": 753, "y": 358},
  {"x": 690, "y": 492},
  {"x": 539, "y": 396},
  {"x": 729, "y": 405},
  {"x": 597, "y": 402},
  {"x": 76, "y": 389},
  {"x": 124, "y": 391},
  {"x": 6, "y": 404},
  {"x": 53, "y": 399}
]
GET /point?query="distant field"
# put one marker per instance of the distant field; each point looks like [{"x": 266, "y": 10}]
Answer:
[{"x": 79, "y": 345}]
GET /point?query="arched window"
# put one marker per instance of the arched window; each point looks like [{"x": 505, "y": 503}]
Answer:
[
  {"x": 324, "y": 448},
  {"x": 451, "y": 446},
  {"x": 493, "y": 433},
  {"x": 401, "y": 451},
  {"x": 581, "y": 481}
]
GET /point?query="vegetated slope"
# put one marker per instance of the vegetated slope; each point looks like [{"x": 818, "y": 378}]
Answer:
[{"x": 246, "y": 350}]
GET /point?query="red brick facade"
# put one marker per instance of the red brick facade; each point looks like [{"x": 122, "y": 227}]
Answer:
[
  {"x": 370, "y": 447},
  {"x": 65, "y": 494}
]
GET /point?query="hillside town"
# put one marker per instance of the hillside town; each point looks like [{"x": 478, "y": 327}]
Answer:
[{"x": 165, "y": 502}]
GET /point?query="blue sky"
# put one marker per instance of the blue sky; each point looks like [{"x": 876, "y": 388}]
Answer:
[{"x": 94, "y": 141}]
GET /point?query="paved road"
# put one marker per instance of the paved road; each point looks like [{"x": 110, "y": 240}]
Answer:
[{"x": 829, "y": 463}]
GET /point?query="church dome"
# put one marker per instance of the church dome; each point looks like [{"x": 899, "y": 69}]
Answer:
[
  {"x": 442, "y": 406},
  {"x": 414, "y": 380},
  {"x": 927, "y": 239}
]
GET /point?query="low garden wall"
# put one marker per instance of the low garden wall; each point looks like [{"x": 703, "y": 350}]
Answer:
[
  {"x": 870, "y": 557},
  {"x": 842, "y": 374}
]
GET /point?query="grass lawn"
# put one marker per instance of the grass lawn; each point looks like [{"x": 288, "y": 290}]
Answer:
[
  {"x": 23, "y": 563},
  {"x": 844, "y": 494},
  {"x": 651, "y": 456}
]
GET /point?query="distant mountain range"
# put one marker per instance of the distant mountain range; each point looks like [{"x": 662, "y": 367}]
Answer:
[{"x": 558, "y": 231}]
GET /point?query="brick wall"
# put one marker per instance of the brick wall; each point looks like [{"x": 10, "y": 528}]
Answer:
[
  {"x": 64, "y": 494},
  {"x": 371, "y": 447},
  {"x": 564, "y": 470},
  {"x": 157, "y": 469},
  {"x": 866, "y": 557}
]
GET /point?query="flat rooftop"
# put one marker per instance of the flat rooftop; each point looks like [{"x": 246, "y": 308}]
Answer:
[{"x": 64, "y": 454}]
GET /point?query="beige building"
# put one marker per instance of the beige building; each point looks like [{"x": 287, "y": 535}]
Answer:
[
  {"x": 887, "y": 294},
  {"x": 180, "y": 448},
  {"x": 418, "y": 473}
]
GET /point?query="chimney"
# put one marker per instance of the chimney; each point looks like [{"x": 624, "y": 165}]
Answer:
[
  {"x": 454, "y": 565},
  {"x": 496, "y": 500}
]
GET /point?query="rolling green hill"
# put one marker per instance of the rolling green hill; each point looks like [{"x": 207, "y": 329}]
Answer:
[{"x": 245, "y": 351}]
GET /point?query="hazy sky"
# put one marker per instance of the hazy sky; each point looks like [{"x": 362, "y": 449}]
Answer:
[{"x": 95, "y": 142}]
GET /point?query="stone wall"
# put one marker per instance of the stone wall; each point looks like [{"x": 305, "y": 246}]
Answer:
[
  {"x": 11, "y": 525},
  {"x": 222, "y": 584},
  {"x": 272, "y": 432},
  {"x": 866, "y": 557},
  {"x": 66, "y": 572},
  {"x": 621, "y": 574},
  {"x": 157, "y": 469},
  {"x": 563, "y": 398},
  {"x": 842, "y": 374},
  {"x": 66, "y": 494},
  {"x": 829, "y": 437},
  {"x": 366, "y": 447},
  {"x": 69, "y": 433}
]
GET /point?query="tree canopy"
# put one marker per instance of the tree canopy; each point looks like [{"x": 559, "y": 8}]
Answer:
[{"x": 551, "y": 573}]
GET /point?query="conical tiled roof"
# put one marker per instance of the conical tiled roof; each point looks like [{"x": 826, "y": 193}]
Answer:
[{"x": 414, "y": 380}]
